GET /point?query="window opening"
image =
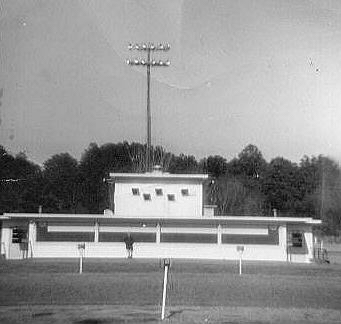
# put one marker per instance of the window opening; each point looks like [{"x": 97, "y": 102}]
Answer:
[
  {"x": 147, "y": 196},
  {"x": 135, "y": 191},
  {"x": 171, "y": 197},
  {"x": 18, "y": 235},
  {"x": 184, "y": 192},
  {"x": 158, "y": 191},
  {"x": 297, "y": 239}
]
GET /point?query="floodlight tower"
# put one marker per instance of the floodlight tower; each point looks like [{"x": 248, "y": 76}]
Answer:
[{"x": 149, "y": 62}]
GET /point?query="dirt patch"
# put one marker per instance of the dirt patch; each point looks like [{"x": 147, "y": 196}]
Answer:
[
  {"x": 42, "y": 314},
  {"x": 122, "y": 319},
  {"x": 94, "y": 321}
]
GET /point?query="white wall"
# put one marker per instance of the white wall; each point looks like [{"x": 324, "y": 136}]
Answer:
[
  {"x": 171, "y": 250},
  {"x": 128, "y": 204},
  {"x": 162, "y": 250},
  {"x": 12, "y": 250},
  {"x": 6, "y": 235},
  {"x": 9, "y": 249}
]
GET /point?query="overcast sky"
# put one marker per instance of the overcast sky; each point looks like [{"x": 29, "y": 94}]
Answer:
[{"x": 261, "y": 72}]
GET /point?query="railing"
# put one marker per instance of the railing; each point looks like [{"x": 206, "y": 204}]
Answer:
[{"x": 321, "y": 255}]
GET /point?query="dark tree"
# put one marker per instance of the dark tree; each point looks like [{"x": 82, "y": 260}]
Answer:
[
  {"x": 61, "y": 184},
  {"x": 96, "y": 164},
  {"x": 232, "y": 197},
  {"x": 246, "y": 185},
  {"x": 20, "y": 183},
  {"x": 250, "y": 162},
  {"x": 328, "y": 194},
  {"x": 183, "y": 164},
  {"x": 214, "y": 165},
  {"x": 282, "y": 185}
]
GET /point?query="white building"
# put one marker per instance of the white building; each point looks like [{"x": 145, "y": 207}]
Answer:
[
  {"x": 166, "y": 217},
  {"x": 158, "y": 194}
]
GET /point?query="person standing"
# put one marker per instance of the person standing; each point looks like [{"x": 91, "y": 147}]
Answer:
[{"x": 129, "y": 241}]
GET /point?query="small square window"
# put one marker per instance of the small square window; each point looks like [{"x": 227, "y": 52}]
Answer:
[
  {"x": 135, "y": 191},
  {"x": 158, "y": 191},
  {"x": 171, "y": 197},
  {"x": 184, "y": 192},
  {"x": 147, "y": 196}
]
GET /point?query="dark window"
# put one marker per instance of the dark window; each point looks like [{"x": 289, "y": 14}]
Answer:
[
  {"x": 119, "y": 237},
  {"x": 18, "y": 235},
  {"x": 171, "y": 197},
  {"x": 44, "y": 236},
  {"x": 158, "y": 192},
  {"x": 184, "y": 192},
  {"x": 146, "y": 196},
  {"x": 135, "y": 191},
  {"x": 271, "y": 239},
  {"x": 188, "y": 238},
  {"x": 297, "y": 239}
]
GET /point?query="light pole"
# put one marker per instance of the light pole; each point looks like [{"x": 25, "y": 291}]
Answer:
[{"x": 149, "y": 62}]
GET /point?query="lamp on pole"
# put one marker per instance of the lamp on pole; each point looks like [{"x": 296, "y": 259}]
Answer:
[{"x": 148, "y": 62}]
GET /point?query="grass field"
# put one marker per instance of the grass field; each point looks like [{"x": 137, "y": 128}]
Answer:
[{"x": 129, "y": 291}]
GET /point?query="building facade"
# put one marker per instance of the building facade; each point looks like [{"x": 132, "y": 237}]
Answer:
[{"x": 165, "y": 215}]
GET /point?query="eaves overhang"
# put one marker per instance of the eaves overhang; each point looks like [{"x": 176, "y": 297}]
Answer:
[{"x": 247, "y": 220}]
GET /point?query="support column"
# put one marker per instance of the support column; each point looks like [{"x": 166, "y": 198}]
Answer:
[
  {"x": 283, "y": 241},
  {"x": 96, "y": 238},
  {"x": 219, "y": 234},
  {"x": 32, "y": 238},
  {"x": 6, "y": 235},
  {"x": 158, "y": 233},
  {"x": 308, "y": 237}
]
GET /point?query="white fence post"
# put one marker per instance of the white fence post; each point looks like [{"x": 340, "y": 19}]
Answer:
[
  {"x": 240, "y": 249},
  {"x": 164, "y": 293},
  {"x": 81, "y": 249}
]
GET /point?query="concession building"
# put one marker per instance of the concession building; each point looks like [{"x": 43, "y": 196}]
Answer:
[{"x": 166, "y": 216}]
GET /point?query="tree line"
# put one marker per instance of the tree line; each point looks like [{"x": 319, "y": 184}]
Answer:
[{"x": 245, "y": 185}]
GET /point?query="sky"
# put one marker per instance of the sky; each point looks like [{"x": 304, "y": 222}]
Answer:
[{"x": 262, "y": 72}]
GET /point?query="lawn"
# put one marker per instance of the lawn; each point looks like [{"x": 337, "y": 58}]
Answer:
[{"x": 197, "y": 289}]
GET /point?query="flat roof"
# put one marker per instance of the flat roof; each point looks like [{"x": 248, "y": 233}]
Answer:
[
  {"x": 157, "y": 175},
  {"x": 225, "y": 219}
]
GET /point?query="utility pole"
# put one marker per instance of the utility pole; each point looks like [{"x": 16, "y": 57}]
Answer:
[
  {"x": 322, "y": 191},
  {"x": 148, "y": 62}
]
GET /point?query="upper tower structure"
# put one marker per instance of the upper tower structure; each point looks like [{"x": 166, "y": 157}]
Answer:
[{"x": 158, "y": 194}]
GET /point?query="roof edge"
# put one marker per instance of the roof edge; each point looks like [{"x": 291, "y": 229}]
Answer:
[
  {"x": 305, "y": 220},
  {"x": 158, "y": 176}
]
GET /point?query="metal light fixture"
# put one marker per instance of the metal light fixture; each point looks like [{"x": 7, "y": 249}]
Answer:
[{"x": 148, "y": 47}]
